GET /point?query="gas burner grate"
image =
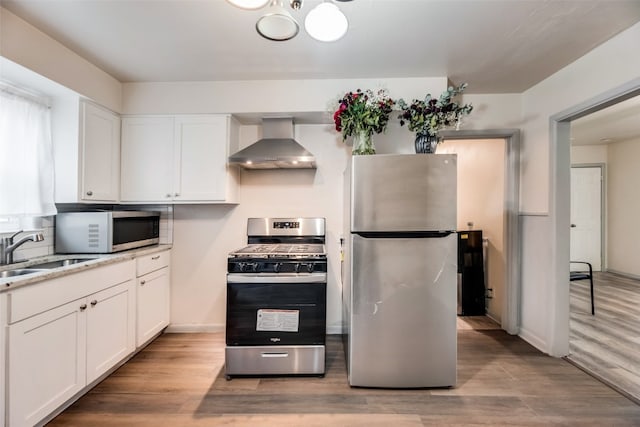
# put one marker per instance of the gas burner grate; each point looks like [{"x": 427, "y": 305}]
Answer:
[{"x": 281, "y": 249}]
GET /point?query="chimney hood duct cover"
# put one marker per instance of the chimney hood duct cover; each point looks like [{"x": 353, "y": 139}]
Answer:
[{"x": 276, "y": 150}]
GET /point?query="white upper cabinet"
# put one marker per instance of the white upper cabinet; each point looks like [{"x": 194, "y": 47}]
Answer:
[
  {"x": 86, "y": 141},
  {"x": 100, "y": 143},
  {"x": 147, "y": 159},
  {"x": 178, "y": 159},
  {"x": 86, "y": 144}
]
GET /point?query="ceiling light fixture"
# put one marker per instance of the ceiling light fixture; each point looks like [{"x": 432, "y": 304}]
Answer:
[
  {"x": 326, "y": 23},
  {"x": 249, "y": 4},
  {"x": 277, "y": 24}
]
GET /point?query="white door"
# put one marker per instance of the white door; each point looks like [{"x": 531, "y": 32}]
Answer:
[{"x": 586, "y": 215}]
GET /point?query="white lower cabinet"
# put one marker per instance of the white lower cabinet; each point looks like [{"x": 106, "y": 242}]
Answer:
[
  {"x": 153, "y": 289},
  {"x": 110, "y": 328},
  {"x": 65, "y": 333},
  {"x": 46, "y": 362}
]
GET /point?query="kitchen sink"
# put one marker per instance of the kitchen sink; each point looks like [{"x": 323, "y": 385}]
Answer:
[
  {"x": 19, "y": 272},
  {"x": 45, "y": 266},
  {"x": 60, "y": 263}
]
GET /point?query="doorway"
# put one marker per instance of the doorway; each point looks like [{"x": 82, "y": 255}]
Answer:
[
  {"x": 480, "y": 195},
  {"x": 560, "y": 205},
  {"x": 605, "y": 343},
  {"x": 510, "y": 310}
]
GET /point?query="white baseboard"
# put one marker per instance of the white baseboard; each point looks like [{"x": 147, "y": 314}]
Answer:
[
  {"x": 533, "y": 339},
  {"x": 623, "y": 274},
  {"x": 494, "y": 318},
  {"x": 193, "y": 328}
]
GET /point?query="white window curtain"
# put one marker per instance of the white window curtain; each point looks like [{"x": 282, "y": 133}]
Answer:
[{"x": 26, "y": 158}]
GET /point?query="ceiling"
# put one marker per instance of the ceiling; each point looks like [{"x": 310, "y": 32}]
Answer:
[
  {"x": 497, "y": 46},
  {"x": 617, "y": 123}
]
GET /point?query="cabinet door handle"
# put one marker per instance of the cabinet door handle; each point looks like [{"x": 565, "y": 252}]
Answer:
[
  {"x": 177, "y": 195},
  {"x": 89, "y": 193},
  {"x": 83, "y": 307},
  {"x": 155, "y": 257},
  {"x": 168, "y": 195},
  {"x": 93, "y": 303},
  {"x": 142, "y": 282}
]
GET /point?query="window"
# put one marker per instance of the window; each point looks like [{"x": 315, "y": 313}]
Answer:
[{"x": 26, "y": 158}]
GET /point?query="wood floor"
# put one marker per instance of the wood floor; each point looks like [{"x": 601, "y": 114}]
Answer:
[
  {"x": 608, "y": 344},
  {"x": 178, "y": 380}
]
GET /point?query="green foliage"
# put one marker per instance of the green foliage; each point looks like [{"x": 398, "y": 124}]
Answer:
[
  {"x": 430, "y": 115},
  {"x": 363, "y": 111}
]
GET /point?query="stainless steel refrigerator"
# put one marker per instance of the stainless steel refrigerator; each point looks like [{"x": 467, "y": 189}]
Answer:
[{"x": 400, "y": 271}]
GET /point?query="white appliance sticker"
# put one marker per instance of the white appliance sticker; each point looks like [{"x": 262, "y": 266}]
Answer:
[{"x": 277, "y": 320}]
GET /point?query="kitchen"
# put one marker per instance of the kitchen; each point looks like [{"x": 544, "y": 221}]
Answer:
[{"x": 201, "y": 233}]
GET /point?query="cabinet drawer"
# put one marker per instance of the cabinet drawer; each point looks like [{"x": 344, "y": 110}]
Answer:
[
  {"x": 152, "y": 262},
  {"x": 37, "y": 298}
]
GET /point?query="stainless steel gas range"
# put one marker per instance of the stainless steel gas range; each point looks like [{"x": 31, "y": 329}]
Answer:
[{"x": 276, "y": 299}]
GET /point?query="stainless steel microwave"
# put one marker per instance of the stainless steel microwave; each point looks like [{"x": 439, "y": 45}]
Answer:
[{"x": 105, "y": 231}]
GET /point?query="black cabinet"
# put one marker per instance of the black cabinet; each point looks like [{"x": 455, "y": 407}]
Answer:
[{"x": 471, "y": 288}]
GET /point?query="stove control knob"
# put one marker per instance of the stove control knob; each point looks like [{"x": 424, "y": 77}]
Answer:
[
  {"x": 276, "y": 267},
  {"x": 248, "y": 266},
  {"x": 240, "y": 266},
  {"x": 310, "y": 267}
]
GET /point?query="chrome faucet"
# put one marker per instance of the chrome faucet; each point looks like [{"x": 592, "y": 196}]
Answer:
[{"x": 7, "y": 245}]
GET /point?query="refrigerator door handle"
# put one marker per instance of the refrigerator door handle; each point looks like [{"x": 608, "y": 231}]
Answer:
[{"x": 404, "y": 234}]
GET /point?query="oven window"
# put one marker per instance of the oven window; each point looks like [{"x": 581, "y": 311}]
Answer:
[
  {"x": 298, "y": 311},
  {"x": 133, "y": 229}
]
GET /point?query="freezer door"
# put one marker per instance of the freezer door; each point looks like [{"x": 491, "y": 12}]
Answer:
[
  {"x": 403, "y": 192},
  {"x": 403, "y": 312}
]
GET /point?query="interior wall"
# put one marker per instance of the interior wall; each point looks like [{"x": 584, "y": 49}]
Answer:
[
  {"x": 198, "y": 257},
  {"x": 263, "y": 97},
  {"x": 623, "y": 207},
  {"x": 24, "y": 44},
  {"x": 481, "y": 190},
  {"x": 543, "y": 313},
  {"x": 589, "y": 154},
  {"x": 545, "y": 220},
  {"x": 205, "y": 234}
]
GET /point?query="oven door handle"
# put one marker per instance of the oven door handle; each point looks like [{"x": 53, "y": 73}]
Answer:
[
  {"x": 272, "y": 354},
  {"x": 277, "y": 278}
]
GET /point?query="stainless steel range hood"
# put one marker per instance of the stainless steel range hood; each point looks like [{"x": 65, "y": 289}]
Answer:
[{"x": 276, "y": 150}]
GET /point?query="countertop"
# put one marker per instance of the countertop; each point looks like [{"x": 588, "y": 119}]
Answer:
[{"x": 97, "y": 260}]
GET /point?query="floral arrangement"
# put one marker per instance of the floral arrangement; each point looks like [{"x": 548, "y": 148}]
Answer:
[
  {"x": 431, "y": 115},
  {"x": 363, "y": 112}
]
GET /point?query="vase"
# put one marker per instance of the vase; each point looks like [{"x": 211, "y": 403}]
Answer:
[
  {"x": 362, "y": 144},
  {"x": 426, "y": 143}
]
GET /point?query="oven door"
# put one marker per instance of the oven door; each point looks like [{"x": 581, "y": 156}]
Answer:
[{"x": 276, "y": 309}]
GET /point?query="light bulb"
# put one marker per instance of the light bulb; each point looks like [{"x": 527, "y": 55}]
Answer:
[{"x": 326, "y": 23}]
